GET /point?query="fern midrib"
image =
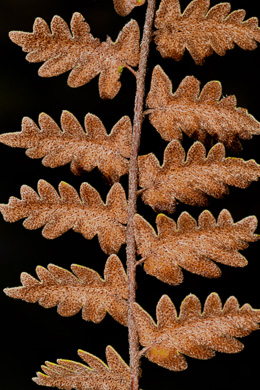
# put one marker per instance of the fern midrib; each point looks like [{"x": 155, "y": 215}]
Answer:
[
  {"x": 177, "y": 330},
  {"x": 62, "y": 290},
  {"x": 204, "y": 110},
  {"x": 101, "y": 216},
  {"x": 197, "y": 27}
]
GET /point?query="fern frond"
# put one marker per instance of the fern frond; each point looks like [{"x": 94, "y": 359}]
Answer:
[
  {"x": 192, "y": 247},
  {"x": 84, "y": 290},
  {"x": 86, "y": 56},
  {"x": 191, "y": 180},
  {"x": 69, "y": 375},
  {"x": 198, "y": 114},
  {"x": 86, "y": 214},
  {"x": 193, "y": 333},
  {"x": 124, "y": 7},
  {"x": 85, "y": 150},
  {"x": 202, "y": 31}
]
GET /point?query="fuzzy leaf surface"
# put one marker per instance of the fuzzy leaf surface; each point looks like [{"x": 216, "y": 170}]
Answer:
[
  {"x": 58, "y": 213},
  {"x": 108, "y": 60},
  {"x": 79, "y": 51},
  {"x": 194, "y": 333},
  {"x": 60, "y": 48},
  {"x": 197, "y": 113},
  {"x": 201, "y": 30},
  {"x": 192, "y": 246},
  {"x": 83, "y": 149},
  {"x": 68, "y": 374},
  {"x": 191, "y": 179},
  {"x": 84, "y": 289},
  {"x": 124, "y": 7}
]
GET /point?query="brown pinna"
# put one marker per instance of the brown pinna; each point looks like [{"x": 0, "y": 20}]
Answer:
[{"x": 201, "y": 133}]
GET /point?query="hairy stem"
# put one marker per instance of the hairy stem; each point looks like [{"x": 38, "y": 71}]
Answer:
[{"x": 132, "y": 195}]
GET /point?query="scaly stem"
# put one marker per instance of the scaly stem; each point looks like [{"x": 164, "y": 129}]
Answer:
[{"x": 132, "y": 195}]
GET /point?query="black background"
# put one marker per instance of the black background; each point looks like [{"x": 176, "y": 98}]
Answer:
[{"x": 30, "y": 334}]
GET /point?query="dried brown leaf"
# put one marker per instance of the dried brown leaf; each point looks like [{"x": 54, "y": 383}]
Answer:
[
  {"x": 84, "y": 289},
  {"x": 192, "y": 246},
  {"x": 197, "y": 113},
  {"x": 69, "y": 375},
  {"x": 60, "y": 49},
  {"x": 84, "y": 149},
  {"x": 124, "y": 7},
  {"x": 190, "y": 180},
  {"x": 86, "y": 214},
  {"x": 201, "y": 30},
  {"x": 194, "y": 333},
  {"x": 79, "y": 51}
]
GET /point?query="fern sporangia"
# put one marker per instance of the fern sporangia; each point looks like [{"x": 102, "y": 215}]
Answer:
[{"x": 201, "y": 131}]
